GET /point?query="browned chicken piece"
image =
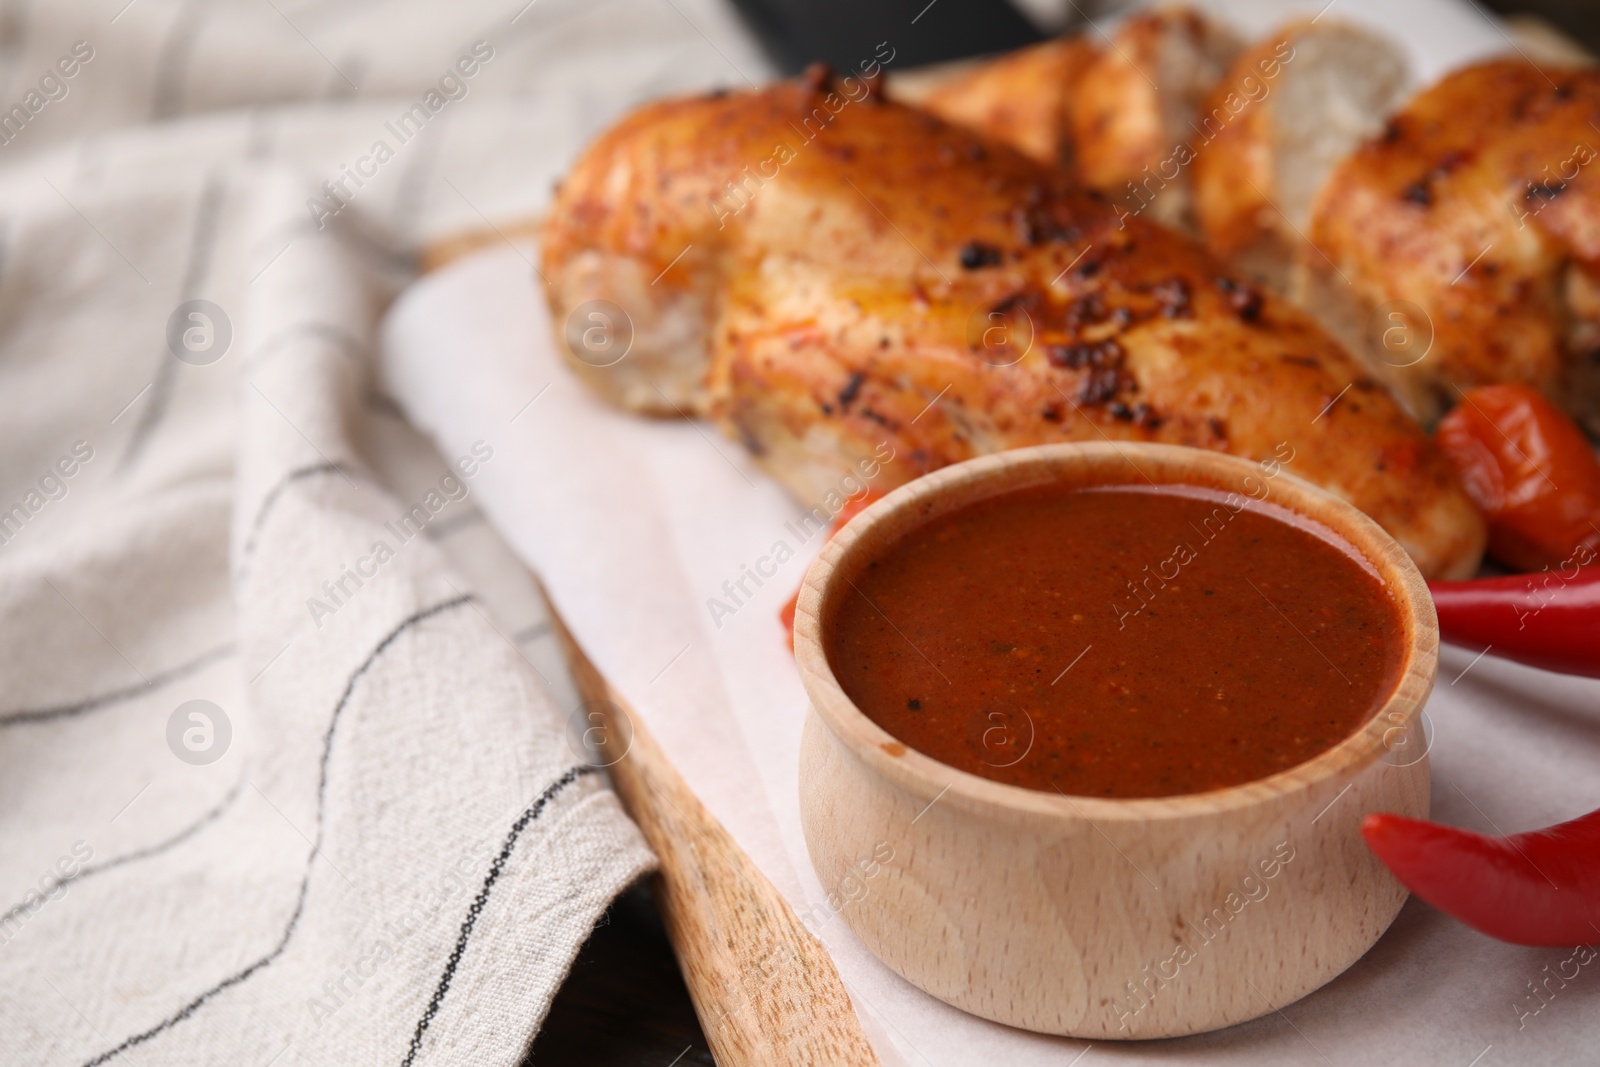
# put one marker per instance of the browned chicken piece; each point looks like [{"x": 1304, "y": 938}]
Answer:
[
  {"x": 1471, "y": 222},
  {"x": 1118, "y": 109},
  {"x": 1136, "y": 108},
  {"x": 1021, "y": 98},
  {"x": 855, "y": 288},
  {"x": 1286, "y": 112}
]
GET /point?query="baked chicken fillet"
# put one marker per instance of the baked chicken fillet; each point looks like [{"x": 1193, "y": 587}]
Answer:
[
  {"x": 1121, "y": 110},
  {"x": 852, "y": 287},
  {"x": 1023, "y": 98},
  {"x": 1290, "y": 108},
  {"x": 1461, "y": 245}
]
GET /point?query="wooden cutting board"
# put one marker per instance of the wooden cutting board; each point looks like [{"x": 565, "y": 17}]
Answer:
[{"x": 765, "y": 989}]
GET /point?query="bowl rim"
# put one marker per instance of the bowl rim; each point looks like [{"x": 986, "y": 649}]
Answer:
[{"x": 931, "y": 780}]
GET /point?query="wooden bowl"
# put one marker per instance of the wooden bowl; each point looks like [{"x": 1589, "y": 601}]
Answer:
[{"x": 1106, "y": 918}]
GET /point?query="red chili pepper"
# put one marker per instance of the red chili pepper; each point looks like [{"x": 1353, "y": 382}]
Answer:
[
  {"x": 852, "y": 507},
  {"x": 1549, "y": 620},
  {"x": 1532, "y": 472},
  {"x": 1536, "y": 888}
]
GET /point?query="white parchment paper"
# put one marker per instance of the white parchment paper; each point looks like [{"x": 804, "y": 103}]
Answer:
[{"x": 633, "y": 524}]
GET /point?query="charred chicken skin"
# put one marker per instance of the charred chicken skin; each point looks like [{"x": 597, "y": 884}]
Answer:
[{"x": 853, "y": 287}]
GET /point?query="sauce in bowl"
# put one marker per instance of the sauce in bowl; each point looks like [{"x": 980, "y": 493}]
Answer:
[{"x": 1120, "y": 641}]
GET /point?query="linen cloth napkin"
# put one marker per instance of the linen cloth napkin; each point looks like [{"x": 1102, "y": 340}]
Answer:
[{"x": 281, "y": 781}]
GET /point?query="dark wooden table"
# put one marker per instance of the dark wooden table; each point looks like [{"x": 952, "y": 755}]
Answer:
[{"x": 625, "y": 1004}]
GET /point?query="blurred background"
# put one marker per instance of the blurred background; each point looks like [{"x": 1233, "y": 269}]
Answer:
[{"x": 794, "y": 32}]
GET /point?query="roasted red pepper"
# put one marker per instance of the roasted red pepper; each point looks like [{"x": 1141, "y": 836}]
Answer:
[
  {"x": 853, "y": 506},
  {"x": 1549, "y": 620},
  {"x": 1532, "y": 472},
  {"x": 1536, "y": 888}
]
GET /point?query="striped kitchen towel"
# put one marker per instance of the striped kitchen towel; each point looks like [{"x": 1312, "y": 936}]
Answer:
[{"x": 286, "y": 775}]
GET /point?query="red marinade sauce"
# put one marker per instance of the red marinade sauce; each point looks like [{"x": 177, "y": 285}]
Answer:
[{"x": 1126, "y": 641}]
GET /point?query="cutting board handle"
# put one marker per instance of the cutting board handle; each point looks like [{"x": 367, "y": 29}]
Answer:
[{"x": 764, "y": 987}]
